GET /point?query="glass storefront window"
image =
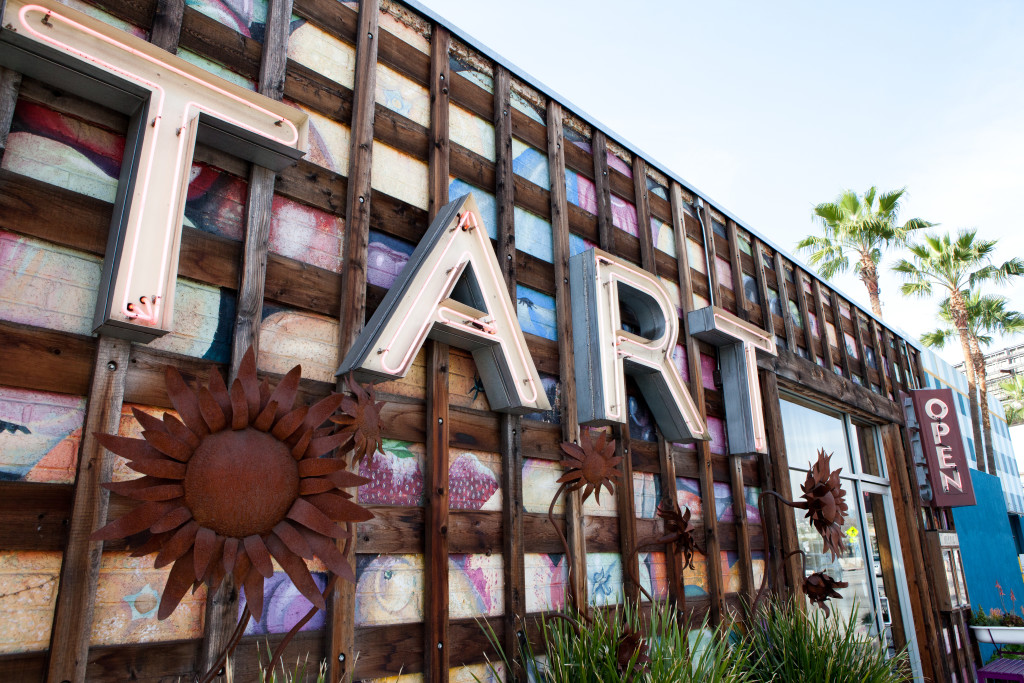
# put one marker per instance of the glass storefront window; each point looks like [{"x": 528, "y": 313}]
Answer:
[{"x": 807, "y": 430}]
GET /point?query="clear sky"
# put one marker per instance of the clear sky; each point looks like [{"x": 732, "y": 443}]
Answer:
[{"x": 771, "y": 108}]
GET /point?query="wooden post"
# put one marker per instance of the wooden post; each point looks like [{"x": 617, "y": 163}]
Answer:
[
  {"x": 643, "y": 215},
  {"x": 805, "y": 313},
  {"x": 602, "y": 185},
  {"x": 80, "y": 569},
  {"x": 711, "y": 252},
  {"x": 779, "y": 467},
  {"x": 438, "y": 151},
  {"x": 736, "y": 265},
  {"x": 566, "y": 367},
  {"x": 10, "y": 81},
  {"x": 819, "y": 311},
  {"x": 739, "y": 509},
  {"x": 767, "y": 320},
  {"x": 787, "y": 315},
  {"x": 166, "y": 29},
  {"x": 862, "y": 351},
  {"x": 435, "y": 579},
  {"x": 881, "y": 358},
  {"x": 844, "y": 354},
  {"x": 340, "y": 635},
  {"x": 511, "y": 425}
]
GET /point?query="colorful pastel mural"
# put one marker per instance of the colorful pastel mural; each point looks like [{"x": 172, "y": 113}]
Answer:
[
  {"x": 474, "y": 480},
  {"x": 533, "y": 235},
  {"x": 204, "y": 318},
  {"x": 475, "y": 586},
  {"x": 530, "y": 163},
  {"x": 547, "y": 577},
  {"x": 484, "y": 203},
  {"x": 663, "y": 237},
  {"x": 540, "y": 481},
  {"x": 389, "y": 589},
  {"x": 536, "y": 312},
  {"x": 604, "y": 578},
  {"x": 386, "y": 257},
  {"x": 695, "y": 581},
  {"x": 646, "y": 494},
  {"x": 40, "y": 433},
  {"x": 688, "y": 496},
  {"x": 28, "y": 595},
  {"x": 654, "y": 574},
  {"x": 289, "y": 337},
  {"x": 284, "y": 606},
  {"x": 553, "y": 390},
  {"x": 395, "y": 474},
  {"x": 470, "y": 131}
]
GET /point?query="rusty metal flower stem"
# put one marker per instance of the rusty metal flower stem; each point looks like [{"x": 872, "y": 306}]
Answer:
[
  {"x": 768, "y": 550},
  {"x": 563, "y": 488}
]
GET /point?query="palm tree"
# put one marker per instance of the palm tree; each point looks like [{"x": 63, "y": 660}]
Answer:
[
  {"x": 987, "y": 314},
  {"x": 858, "y": 228},
  {"x": 956, "y": 266},
  {"x": 1014, "y": 401}
]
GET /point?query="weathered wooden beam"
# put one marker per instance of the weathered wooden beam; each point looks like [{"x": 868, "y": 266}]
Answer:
[
  {"x": 736, "y": 265},
  {"x": 787, "y": 314},
  {"x": 844, "y": 353},
  {"x": 805, "y": 312},
  {"x": 865, "y": 368},
  {"x": 435, "y": 579},
  {"x": 10, "y": 81},
  {"x": 819, "y": 312},
  {"x": 711, "y": 253},
  {"x": 881, "y": 358},
  {"x": 566, "y": 364},
  {"x": 778, "y": 467},
  {"x": 767, "y": 320},
  {"x": 667, "y": 497},
  {"x": 605, "y": 228},
  {"x": 627, "y": 515},
  {"x": 643, "y": 215},
  {"x": 79, "y": 574},
  {"x": 739, "y": 509},
  {"x": 166, "y": 31},
  {"x": 440, "y": 143}
]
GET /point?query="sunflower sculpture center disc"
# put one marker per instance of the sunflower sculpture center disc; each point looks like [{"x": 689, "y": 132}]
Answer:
[{"x": 241, "y": 483}]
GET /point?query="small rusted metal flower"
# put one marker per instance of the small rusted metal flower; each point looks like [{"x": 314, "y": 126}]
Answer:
[
  {"x": 631, "y": 643},
  {"x": 360, "y": 420},
  {"x": 824, "y": 500},
  {"x": 590, "y": 465},
  {"x": 819, "y": 587},
  {"x": 237, "y": 480},
  {"x": 678, "y": 531}
]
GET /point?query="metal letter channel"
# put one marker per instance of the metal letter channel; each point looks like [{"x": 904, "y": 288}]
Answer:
[{"x": 171, "y": 104}]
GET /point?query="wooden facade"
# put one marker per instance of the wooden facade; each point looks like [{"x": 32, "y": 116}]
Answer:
[{"x": 400, "y": 130}]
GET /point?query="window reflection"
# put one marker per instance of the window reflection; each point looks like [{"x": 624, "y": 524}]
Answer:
[{"x": 807, "y": 430}]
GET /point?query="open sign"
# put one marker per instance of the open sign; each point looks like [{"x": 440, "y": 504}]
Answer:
[{"x": 948, "y": 470}]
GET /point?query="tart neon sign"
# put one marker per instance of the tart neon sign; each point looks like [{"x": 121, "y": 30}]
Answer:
[{"x": 171, "y": 104}]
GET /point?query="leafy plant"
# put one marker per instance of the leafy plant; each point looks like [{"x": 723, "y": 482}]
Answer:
[
  {"x": 995, "y": 617},
  {"x": 605, "y": 648},
  {"x": 790, "y": 644}
]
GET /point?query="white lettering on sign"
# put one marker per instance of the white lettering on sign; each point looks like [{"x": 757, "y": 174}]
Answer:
[
  {"x": 936, "y": 409},
  {"x": 168, "y": 99},
  {"x": 605, "y": 352},
  {"x": 452, "y": 290}
]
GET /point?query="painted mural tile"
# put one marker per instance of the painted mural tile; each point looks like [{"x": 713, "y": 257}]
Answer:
[
  {"x": 290, "y": 337},
  {"x": 723, "y": 502},
  {"x": 40, "y": 433},
  {"x": 851, "y": 346},
  {"x": 386, "y": 257},
  {"x": 757, "y": 566},
  {"x": 617, "y": 164},
  {"x": 484, "y": 202},
  {"x": 697, "y": 257},
  {"x": 646, "y": 494},
  {"x": 97, "y": 13},
  {"x": 814, "y": 323},
  {"x": 474, "y": 480},
  {"x": 389, "y": 589},
  {"x": 464, "y": 68},
  {"x": 395, "y": 473},
  {"x": 477, "y": 673},
  {"x": 695, "y": 581},
  {"x": 750, "y": 289},
  {"x": 398, "y": 28},
  {"x": 682, "y": 362},
  {"x": 402, "y": 95},
  {"x": 581, "y": 191},
  {"x": 28, "y": 595},
  {"x": 750, "y": 495},
  {"x": 533, "y": 235},
  {"x": 528, "y": 107},
  {"x": 654, "y": 187},
  {"x": 248, "y": 17},
  {"x": 624, "y": 215},
  {"x": 204, "y": 317},
  {"x": 547, "y": 577},
  {"x": 536, "y": 312},
  {"x": 654, "y": 574},
  {"x": 323, "y": 53},
  {"x": 604, "y": 578},
  {"x": 794, "y": 311},
  {"x": 283, "y": 606},
  {"x": 471, "y": 131},
  {"x": 399, "y": 175},
  {"x": 553, "y": 390},
  {"x": 540, "y": 481},
  {"x": 475, "y": 586},
  {"x": 65, "y": 151},
  {"x": 328, "y": 140},
  {"x": 672, "y": 288},
  {"x": 730, "y": 565},
  {"x": 306, "y": 234},
  {"x": 217, "y": 69},
  {"x": 44, "y": 285},
  {"x": 775, "y": 302},
  {"x": 724, "y": 270},
  {"x": 608, "y": 506},
  {"x": 412, "y": 385},
  {"x": 688, "y": 497},
  {"x": 530, "y": 163},
  {"x": 641, "y": 420},
  {"x": 465, "y": 388},
  {"x": 708, "y": 365},
  {"x": 127, "y": 596},
  {"x": 578, "y": 245},
  {"x": 716, "y": 428},
  {"x": 663, "y": 237},
  {"x": 215, "y": 202}
]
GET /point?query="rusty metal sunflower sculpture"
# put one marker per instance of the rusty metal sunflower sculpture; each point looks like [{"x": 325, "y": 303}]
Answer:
[
  {"x": 825, "y": 502},
  {"x": 238, "y": 480},
  {"x": 819, "y": 588},
  {"x": 678, "y": 531},
  {"x": 631, "y": 644},
  {"x": 590, "y": 465},
  {"x": 360, "y": 420}
]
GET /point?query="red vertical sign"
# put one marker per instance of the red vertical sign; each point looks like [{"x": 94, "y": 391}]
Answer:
[{"x": 948, "y": 470}]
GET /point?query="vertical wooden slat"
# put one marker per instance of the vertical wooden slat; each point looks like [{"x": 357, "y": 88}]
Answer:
[
  {"x": 435, "y": 580},
  {"x": 844, "y": 354},
  {"x": 668, "y": 495},
  {"x": 643, "y": 214},
  {"x": 903, "y": 354},
  {"x": 166, "y": 29},
  {"x": 437, "y": 156},
  {"x": 357, "y": 202},
  {"x": 779, "y": 467},
  {"x": 79, "y": 572},
  {"x": 859, "y": 340},
  {"x": 787, "y": 314},
  {"x": 711, "y": 251},
  {"x": 805, "y": 313},
  {"x": 880, "y": 358},
  {"x": 737, "y": 271},
  {"x": 627, "y": 514},
  {"x": 819, "y": 312},
  {"x": 566, "y": 363},
  {"x": 602, "y": 184},
  {"x": 511, "y": 425},
  {"x": 739, "y": 509},
  {"x": 340, "y": 632},
  {"x": 767, "y": 320},
  {"x": 10, "y": 82}
]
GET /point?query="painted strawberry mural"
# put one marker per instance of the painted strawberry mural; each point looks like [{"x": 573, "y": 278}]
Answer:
[
  {"x": 395, "y": 474},
  {"x": 472, "y": 482}
]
